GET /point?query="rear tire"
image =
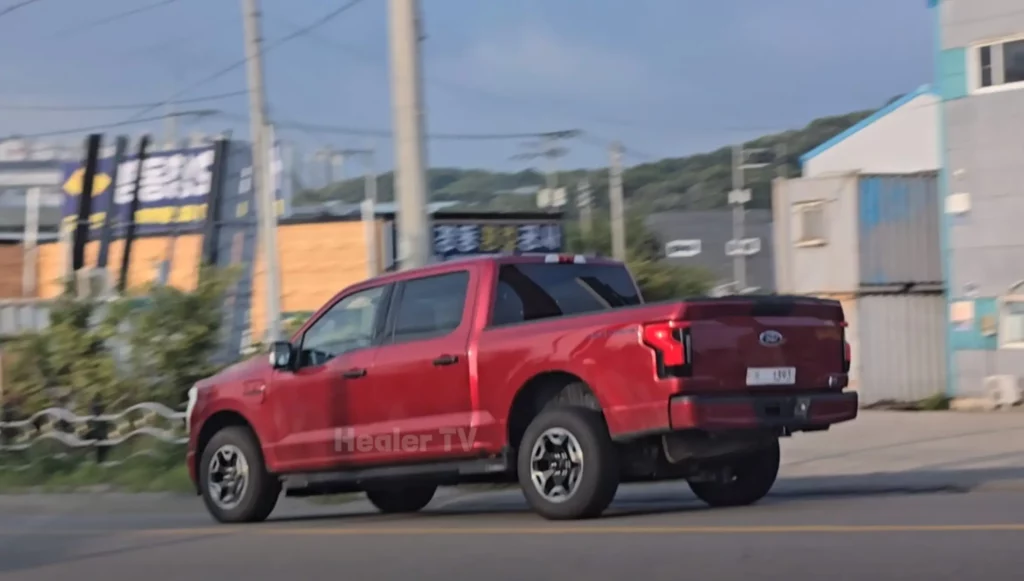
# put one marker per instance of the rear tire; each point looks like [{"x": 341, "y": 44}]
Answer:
[
  {"x": 234, "y": 481},
  {"x": 401, "y": 499},
  {"x": 557, "y": 483},
  {"x": 753, "y": 476}
]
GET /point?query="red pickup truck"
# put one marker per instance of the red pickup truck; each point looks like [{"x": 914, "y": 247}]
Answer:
[{"x": 551, "y": 371}]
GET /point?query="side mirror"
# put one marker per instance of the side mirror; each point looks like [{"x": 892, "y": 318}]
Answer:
[{"x": 282, "y": 355}]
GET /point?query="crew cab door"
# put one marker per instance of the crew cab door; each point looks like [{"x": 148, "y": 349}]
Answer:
[
  {"x": 335, "y": 356},
  {"x": 417, "y": 405}
]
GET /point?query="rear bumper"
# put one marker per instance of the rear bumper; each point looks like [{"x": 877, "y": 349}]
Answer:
[{"x": 794, "y": 412}]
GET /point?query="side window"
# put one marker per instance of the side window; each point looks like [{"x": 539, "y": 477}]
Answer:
[
  {"x": 431, "y": 306},
  {"x": 347, "y": 326},
  {"x": 527, "y": 292}
]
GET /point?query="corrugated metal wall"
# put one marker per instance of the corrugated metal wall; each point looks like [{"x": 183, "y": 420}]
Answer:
[
  {"x": 898, "y": 229},
  {"x": 900, "y": 351}
]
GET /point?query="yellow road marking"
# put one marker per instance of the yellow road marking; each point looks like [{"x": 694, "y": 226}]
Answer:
[{"x": 535, "y": 530}]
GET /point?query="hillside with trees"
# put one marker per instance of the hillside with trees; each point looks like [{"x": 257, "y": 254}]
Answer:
[{"x": 696, "y": 182}]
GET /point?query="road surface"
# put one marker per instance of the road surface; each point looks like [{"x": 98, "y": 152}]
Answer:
[{"x": 656, "y": 531}]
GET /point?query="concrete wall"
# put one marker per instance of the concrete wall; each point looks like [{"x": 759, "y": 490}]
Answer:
[
  {"x": 902, "y": 140},
  {"x": 983, "y": 133}
]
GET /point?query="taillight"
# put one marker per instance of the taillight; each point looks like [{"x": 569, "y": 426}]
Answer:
[
  {"x": 671, "y": 343},
  {"x": 847, "y": 357}
]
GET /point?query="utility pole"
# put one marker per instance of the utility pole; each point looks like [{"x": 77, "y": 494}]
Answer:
[
  {"x": 548, "y": 150},
  {"x": 616, "y": 202},
  {"x": 585, "y": 202},
  {"x": 415, "y": 239},
  {"x": 262, "y": 187},
  {"x": 737, "y": 198},
  {"x": 368, "y": 207},
  {"x": 31, "y": 248}
]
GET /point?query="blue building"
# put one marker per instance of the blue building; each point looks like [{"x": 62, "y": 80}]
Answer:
[{"x": 980, "y": 76}]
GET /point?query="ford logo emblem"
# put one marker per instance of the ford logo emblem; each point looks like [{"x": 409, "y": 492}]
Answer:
[{"x": 771, "y": 338}]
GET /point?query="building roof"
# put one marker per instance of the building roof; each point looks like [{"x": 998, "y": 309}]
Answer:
[{"x": 865, "y": 123}]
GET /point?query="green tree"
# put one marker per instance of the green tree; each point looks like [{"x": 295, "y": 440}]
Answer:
[{"x": 657, "y": 279}]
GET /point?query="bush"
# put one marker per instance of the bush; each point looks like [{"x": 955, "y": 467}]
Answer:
[{"x": 148, "y": 346}]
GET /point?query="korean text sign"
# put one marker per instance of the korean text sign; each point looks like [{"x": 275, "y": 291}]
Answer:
[
  {"x": 460, "y": 239},
  {"x": 174, "y": 190}
]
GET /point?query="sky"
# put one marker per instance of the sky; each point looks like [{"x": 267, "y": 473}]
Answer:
[{"x": 665, "y": 77}]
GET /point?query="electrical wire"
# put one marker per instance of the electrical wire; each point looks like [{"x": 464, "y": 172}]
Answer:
[
  {"x": 126, "y": 106},
  {"x": 263, "y": 50},
  {"x": 91, "y": 128},
  {"x": 16, "y": 6},
  {"x": 79, "y": 29}
]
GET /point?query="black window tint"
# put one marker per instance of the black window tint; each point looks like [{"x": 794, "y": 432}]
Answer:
[
  {"x": 348, "y": 325},
  {"x": 1013, "y": 61},
  {"x": 432, "y": 306},
  {"x": 527, "y": 292}
]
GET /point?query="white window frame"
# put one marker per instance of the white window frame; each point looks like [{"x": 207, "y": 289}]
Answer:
[
  {"x": 694, "y": 244},
  {"x": 800, "y": 211},
  {"x": 974, "y": 67},
  {"x": 1004, "y": 322}
]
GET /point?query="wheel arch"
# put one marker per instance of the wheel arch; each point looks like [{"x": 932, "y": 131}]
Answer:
[
  {"x": 218, "y": 421},
  {"x": 542, "y": 390}
]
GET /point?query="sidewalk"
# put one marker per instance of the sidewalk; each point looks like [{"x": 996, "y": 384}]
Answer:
[{"x": 939, "y": 450}]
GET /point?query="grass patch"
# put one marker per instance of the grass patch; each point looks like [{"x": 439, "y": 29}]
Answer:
[
  {"x": 937, "y": 402},
  {"x": 49, "y": 471}
]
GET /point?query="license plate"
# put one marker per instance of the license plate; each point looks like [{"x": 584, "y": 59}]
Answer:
[{"x": 771, "y": 375}]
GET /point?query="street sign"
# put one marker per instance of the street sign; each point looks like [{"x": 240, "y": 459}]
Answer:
[
  {"x": 743, "y": 247},
  {"x": 737, "y": 197}
]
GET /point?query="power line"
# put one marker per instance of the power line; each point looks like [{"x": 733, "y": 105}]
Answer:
[
  {"x": 266, "y": 48},
  {"x": 126, "y": 106},
  {"x": 78, "y": 29},
  {"x": 386, "y": 134},
  {"x": 101, "y": 127},
  {"x": 16, "y": 6}
]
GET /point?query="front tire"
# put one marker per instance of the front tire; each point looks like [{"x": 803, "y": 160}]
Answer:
[
  {"x": 234, "y": 481},
  {"x": 567, "y": 464},
  {"x": 401, "y": 499},
  {"x": 752, "y": 477}
]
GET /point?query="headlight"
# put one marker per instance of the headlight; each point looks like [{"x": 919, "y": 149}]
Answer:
[{"x": 192, "y": 393}]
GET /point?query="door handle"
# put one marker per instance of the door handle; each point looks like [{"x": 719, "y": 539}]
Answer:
[
  {"x": 446, "y": 360},
  {"x": 354, "y": 373}
]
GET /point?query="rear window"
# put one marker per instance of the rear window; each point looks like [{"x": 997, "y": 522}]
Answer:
[{"x": 527, "y": 292}]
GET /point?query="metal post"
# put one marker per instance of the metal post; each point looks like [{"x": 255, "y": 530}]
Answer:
[
  {"x": 133, "y": 207},
  {"x": 264, "y": 190},
  {"x": 739, "y": 214},
  {"x": 415, "y": 245},
  {"x": 81, "y": 237},
  {"x": 120, "y": 146},
  {"x": 30, "y": 250},
  {"x": 616, "y": 203}
]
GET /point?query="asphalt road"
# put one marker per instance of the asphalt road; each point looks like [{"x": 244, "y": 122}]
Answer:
[{"x": 652, "y": 533}]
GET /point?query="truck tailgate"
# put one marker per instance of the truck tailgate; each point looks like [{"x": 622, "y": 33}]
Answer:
[{"x": 766, "y": 344}]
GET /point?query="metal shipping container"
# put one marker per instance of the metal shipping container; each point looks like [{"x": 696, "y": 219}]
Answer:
[
  {"x": 898, "y": 229},
  {"x": 900, "y": 347}
]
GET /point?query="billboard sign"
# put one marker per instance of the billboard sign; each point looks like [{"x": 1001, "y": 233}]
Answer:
[
  {"x": 455, "y": 239},
  {"x": 173, "y": 192}
]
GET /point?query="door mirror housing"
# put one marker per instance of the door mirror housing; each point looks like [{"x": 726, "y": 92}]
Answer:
[{"x": 282, "y": 355}]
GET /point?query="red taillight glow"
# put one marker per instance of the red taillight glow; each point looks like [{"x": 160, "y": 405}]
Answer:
[
  {"x": 662, "y": 337},
  {"x": 846, "y": 351}
]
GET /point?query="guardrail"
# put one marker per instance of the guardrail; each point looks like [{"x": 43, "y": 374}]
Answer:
[{"x": 58, "y": 432}]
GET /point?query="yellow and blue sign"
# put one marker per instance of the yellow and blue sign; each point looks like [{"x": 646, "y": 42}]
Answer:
[{"x": 173, "y": 190}]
